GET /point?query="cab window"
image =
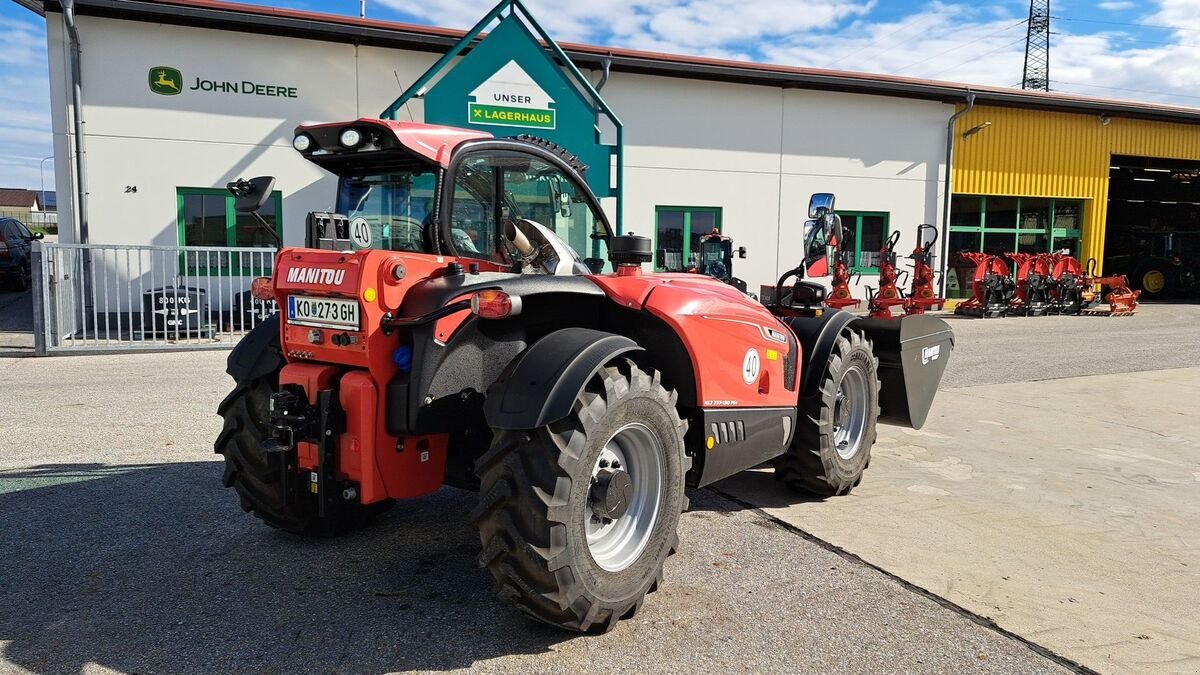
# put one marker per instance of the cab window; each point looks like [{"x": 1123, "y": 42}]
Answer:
[
  {"x": 492, "y": 187},
  {"x": 396, "y": 206}
]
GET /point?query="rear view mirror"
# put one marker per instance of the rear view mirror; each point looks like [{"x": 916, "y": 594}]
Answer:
[
  {"x": 39, "y": 235},
  {"x": 742, "y": 252},
  {"x": 251, "y": 194},
  {"x": 820, "y": 204}
]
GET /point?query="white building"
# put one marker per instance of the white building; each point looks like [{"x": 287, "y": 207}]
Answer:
[{"x": 180, "y": 97}]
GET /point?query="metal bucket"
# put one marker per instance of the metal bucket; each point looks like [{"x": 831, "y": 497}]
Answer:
[{"x": 913, "y": 352}]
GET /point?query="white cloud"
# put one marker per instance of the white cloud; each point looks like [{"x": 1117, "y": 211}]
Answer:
[
  {"x": 1119, "y": 5},
  {"x": 22, "y": 43}
]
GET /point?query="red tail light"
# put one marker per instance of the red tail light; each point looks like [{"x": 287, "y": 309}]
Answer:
[
  {"x": 3, "y": 247},
  {"x": 262, "y": 288},
  {"x": 495, "y": 304}
]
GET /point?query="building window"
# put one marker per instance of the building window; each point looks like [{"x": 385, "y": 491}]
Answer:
[
  {"x": 677, "y": 232},
  {"x": 868, "y": 230},
  {"x": 999, "y": 225},
  {"x": 207, "y": 218}
]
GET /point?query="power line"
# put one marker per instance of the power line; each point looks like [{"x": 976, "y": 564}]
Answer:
[
  {"x": 961, "y": 45},
  {"x": 1137, "y": 91},
  {"x": 1122, "y": 23},
  {"x": 881, "y": 39},
  {"x": 976, "y": 58}
]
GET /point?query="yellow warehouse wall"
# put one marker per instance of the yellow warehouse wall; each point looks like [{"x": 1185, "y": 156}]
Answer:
[{"x": 1030, "y": 153}]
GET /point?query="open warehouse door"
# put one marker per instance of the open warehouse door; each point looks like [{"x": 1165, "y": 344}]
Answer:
[{"x": 1152, "y": 235}]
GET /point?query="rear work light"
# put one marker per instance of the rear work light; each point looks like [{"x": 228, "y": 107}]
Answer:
[
  {"x": 495, "y": 304},
  {"x": 262, "y": 288}
]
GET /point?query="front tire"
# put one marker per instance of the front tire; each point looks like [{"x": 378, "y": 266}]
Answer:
[
  {"x": 542, "y": 490},
  {"x": 255, "y": 476},
  {"x": 832, "y": 446}
]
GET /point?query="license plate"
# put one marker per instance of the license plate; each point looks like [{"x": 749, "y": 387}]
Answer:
[{"x": 322, "y": 312}]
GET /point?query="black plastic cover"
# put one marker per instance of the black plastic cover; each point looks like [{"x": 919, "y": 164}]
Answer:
[
  {"x": 630, "y": 249},
  {"x": 258, "y": 354},
  {"x": 540, "y": 386}
]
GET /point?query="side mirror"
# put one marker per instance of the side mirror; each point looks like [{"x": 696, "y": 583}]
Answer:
[
  {"x": 833, "y": 238},
  {"x": 596, "y": 265},
  {"x": 251, "y": 194},
  {"x": 741, "y": 251},
  {"x": 39, "y": 235},
  {"x": 820, "y": 203}
]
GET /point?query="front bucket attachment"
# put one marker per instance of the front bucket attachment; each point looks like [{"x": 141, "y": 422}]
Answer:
[{"x": 913, "y": 352}]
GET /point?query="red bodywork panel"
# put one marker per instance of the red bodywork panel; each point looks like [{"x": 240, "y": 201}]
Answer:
[
  {"x": 720, "y": 327},
  {"x": 368, "y": 454},
  {"x": 736, "y": 346},
  {"x": 430, "y": 141}
]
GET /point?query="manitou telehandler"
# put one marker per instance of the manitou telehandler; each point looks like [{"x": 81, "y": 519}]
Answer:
[{"x": 432, "y": 333}]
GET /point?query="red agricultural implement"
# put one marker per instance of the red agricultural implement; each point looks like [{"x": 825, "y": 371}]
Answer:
[
  {"x": 991, "y": 287},
  {"x": 1032, "y": 297},
  {"x": 1072, "y": 289},
  {"x": 922, "y": 296},
  {"x": 840, "y": 296},
  {"x": 889, "y": 295}
]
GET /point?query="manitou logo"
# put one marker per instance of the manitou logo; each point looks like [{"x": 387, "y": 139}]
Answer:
[{"x": 315, "y": 275}]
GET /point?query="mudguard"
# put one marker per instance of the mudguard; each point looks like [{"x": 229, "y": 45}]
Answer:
[
  {"x": 817, "y": 335},
  {"x": 258, "y": 354},
  {"x": 541, "y": 384},
  {"x": 913, "y": 352}
]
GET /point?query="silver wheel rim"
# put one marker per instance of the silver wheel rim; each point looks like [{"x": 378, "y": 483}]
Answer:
[
  {"x": 850, "y": 413},
  {"x": 616, "y": 544}
]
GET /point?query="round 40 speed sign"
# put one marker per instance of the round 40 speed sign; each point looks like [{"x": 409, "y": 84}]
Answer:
[{"x": 360, "y": 233}]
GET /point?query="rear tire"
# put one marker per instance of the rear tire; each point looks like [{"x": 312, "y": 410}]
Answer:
[
  {"x": 832, "y": 445},
  {"x": 255, "y": 476},
  {"x": 542, "y": 541}
]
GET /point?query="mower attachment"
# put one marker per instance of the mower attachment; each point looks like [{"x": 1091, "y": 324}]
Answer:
[{"x": 912, "y": 352}]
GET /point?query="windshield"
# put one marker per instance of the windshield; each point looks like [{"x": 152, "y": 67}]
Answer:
[
  {"x": 712, "y": 258},
  {"x": 395, "y": 205}
]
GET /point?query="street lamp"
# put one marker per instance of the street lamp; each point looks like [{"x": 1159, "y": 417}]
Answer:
[{"x": 42, "y": 176}]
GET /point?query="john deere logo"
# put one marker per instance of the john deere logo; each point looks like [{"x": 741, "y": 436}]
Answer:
[{"x": 166, "y": 81}]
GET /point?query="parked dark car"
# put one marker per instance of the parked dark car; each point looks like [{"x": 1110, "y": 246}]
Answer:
[{"x": 15, "y": 243}]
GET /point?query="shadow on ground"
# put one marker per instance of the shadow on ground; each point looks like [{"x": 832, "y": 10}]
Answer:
[{"x": 155, "y": 569}]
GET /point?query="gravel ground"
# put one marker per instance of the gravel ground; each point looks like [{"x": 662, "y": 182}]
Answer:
[
  {"x": 124, "y": 553},
  {"x": 1023, "y": 349}
]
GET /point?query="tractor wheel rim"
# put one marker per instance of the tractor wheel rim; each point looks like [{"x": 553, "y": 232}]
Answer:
[
  {"x": 850, "y": 413},
  {"x": 618, "y": 543},
  {"x": 1154, "y": 281}
]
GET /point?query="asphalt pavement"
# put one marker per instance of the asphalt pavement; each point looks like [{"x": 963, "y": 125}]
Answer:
[{"x": 123, "y": 553}]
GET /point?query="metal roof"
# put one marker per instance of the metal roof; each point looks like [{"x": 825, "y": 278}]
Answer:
[{"x": 222, "y": 15}]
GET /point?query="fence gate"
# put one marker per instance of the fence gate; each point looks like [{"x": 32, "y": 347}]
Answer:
[{"x": 105, "y": 298}]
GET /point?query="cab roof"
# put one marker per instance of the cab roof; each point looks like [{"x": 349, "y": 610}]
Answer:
[{"x": 432, "y": 142}]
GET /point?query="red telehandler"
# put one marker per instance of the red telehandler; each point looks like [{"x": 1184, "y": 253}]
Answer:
[{"x": 432, "y": 333}]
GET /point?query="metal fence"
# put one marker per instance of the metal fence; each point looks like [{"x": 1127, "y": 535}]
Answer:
[
  {"x": 101, "y": 297},
  {"x": 47, "y": 220}
]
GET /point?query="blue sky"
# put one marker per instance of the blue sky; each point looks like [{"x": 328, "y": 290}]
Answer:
[{"x": 1132, "y": 49}]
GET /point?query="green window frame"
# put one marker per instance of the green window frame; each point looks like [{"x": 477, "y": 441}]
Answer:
[
  {"x": 693, "y": 223},
  {"x": 1000, "y": 231},
  {"x": 974, "y": 236},
  {"x": 197, "y": 263},
  {"x": 853, "y": 223}
]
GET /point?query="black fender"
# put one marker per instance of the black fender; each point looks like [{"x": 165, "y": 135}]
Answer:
[
  {"x": 817, "y": 336},
  {"x": 541, "y": 384},
  {"x": 259, "y": 353}
]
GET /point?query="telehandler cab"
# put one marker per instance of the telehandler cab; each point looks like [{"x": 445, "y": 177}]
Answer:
[{"x": 452, "y": 323}]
